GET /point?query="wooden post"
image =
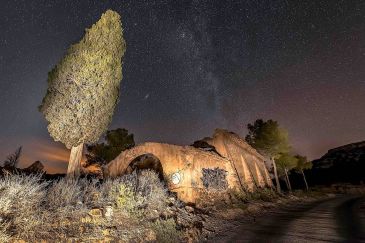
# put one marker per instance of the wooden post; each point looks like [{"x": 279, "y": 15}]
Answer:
[{"x": 74, "y": 164}]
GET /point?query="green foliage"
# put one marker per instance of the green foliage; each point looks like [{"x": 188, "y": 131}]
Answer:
[
  {"x": 166, "y": 231},
  {"x": 303, "y": 163},
  {"x": 137, "y": 194},
  {"x": 83, "y": 88},
  {"x": 268, "y": 138},
  {"x": 264, "y": 194},
  {"x": 261, "y": 194},
  {"x": 286, "y": 162},
  {"x": 116, "y": 141},
  {"x": 126, "y": 199}
]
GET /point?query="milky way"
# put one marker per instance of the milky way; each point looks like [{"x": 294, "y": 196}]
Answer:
[{"x": 192, "y": 66}]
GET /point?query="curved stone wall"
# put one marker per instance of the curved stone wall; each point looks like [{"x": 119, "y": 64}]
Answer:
[{"x": 183, "y": 165}]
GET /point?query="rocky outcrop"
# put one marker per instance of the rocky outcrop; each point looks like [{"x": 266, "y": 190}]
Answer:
[
  {"x": 348, "y": 154},
  {"x": 341, "y": 164},
  {"x": 36, "y": 167},
  {"x": 182, "y": 166}
]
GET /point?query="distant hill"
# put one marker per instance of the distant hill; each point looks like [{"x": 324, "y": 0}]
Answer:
[{"x": 341, "y": 164}]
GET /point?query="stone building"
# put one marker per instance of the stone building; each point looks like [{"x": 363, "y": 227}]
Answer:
[{"x": 188, "y": 170}]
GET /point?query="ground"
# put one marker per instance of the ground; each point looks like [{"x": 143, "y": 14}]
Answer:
[{"x": 340, "y": 218}]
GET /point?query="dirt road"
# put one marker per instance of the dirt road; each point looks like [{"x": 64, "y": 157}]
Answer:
[{"x": 339, "y": 219}]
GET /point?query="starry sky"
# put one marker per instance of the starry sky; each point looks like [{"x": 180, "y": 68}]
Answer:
[{"x": 193, "y": 66}]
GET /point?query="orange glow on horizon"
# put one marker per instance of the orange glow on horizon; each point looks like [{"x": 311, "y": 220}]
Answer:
[{"x": 54, "y": 156}]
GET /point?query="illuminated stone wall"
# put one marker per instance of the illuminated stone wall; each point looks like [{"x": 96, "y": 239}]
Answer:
[{"x": 183, "y": 165}]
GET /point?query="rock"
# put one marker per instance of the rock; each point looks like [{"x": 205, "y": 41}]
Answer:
[
  {"x": 171, "y": 201},
  {"x": 36, "y": 167},
  {"x": 153, "y": 215},
  {"x": 168, "y": 213},
  {"x": 339, "y": 165},
  {"x": 96, "y": 213},
  {"x": 150, "y": 236},
  {"x": 108, "y": 212},
  {"x": 189, "y": 209}
]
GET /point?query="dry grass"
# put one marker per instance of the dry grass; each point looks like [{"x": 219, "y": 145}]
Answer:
[
  {"x": 21, "y": 199},
  {"x": 260, "y": 194},
  {"x": 166, "y": 231},
  {"x": 32, "y": 209}
]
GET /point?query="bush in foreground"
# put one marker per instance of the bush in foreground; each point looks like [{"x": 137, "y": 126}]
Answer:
[
  {"x": 81, "y": 210},
  {"x": 21, "y": 199}
]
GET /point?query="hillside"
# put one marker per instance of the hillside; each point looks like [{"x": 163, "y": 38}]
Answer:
[{"x": 342, "y": 164}]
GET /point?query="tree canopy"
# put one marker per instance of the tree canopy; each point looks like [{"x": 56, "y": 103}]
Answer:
[
  {"x": 116, "y": 141},
  {"x": 302, "y": 163},
  {"x": 268, "y": 138},
  {"x": 83, "y": 88},
  {"x": 286, "y": 162}
]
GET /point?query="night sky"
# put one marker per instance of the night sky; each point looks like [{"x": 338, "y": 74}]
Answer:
[{"x": 192, "y": 66}]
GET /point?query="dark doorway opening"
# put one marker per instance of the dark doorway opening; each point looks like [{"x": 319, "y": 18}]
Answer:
[{"x": 146, "y": 162}]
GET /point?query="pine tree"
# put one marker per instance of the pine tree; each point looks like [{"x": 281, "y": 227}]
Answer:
[
  {"x": 116, "y": 141},
  {"x": 83, "y": 88},
  {"x": 303, "y": 164},
  {"x": 270, "y": 140},
  {"x": 285, "y": 162},
  {"x": 13, "y": 159}
]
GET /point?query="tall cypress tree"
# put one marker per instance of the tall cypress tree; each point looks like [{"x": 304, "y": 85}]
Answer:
[{"x": 83, "y": 88}]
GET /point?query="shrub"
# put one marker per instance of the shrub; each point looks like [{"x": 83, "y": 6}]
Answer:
[
  {"x": 127, "y": 200},
  {"x": 166, "y": 231},
  {"x": 120, "y": 194},
  {"x": 64, "y": 207},
  {"x": 265, "y": 194},
  {"x": 21, "y": 198},
  {"x": 4, "y": 236},
  {"x": 66, "y": 196},
  {"x": 152, "y": 190},
  {"x": 260, "y": 194},
  {"x": 136, "y": 194},
  {"x": 33, "y": 210}
]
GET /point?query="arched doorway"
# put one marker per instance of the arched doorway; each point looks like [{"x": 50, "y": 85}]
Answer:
[{"x": 146, "y": 162}]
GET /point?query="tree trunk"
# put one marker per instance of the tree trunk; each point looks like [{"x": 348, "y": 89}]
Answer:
[
  {"x": 288, "y": 180},
  {"x": 305, "y": 180},
  {"x": 74, "y": 164},
  {"x": 276, "y": 176}
]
